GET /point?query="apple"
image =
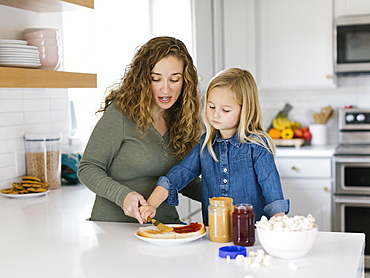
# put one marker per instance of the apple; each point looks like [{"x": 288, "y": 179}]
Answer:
[
  {"x": 306, "y": 134},
  {"x": 298, "y": 133}
]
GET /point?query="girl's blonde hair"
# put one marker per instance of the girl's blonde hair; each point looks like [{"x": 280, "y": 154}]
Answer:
[
  {"x": 134, "y": 96},
  {"x": 244, "y": 89}
]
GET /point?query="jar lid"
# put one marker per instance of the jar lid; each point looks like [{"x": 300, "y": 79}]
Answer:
[
  {"x": 232, "y": 251},
  {"x": 42, "y": 137}
]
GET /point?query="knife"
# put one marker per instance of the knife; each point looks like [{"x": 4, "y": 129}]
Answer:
[{"x": 160, "y": 225}]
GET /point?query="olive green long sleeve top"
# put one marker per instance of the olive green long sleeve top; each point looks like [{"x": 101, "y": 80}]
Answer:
[{"x": 118, "y": 160}]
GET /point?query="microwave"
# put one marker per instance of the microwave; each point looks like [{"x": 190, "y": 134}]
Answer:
[{"x": 352, "y": 44}]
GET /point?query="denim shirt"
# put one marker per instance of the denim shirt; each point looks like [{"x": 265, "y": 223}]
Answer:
[{"x": 245, "y": 172}]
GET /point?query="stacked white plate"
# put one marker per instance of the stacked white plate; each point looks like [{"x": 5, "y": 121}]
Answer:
[{"x": 16, "y": 53}]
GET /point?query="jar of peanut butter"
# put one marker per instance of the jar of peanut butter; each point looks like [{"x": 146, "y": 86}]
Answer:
[{"x": 219, "y": 219}]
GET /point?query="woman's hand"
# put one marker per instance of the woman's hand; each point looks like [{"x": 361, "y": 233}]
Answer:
[{"x": 131, "y": 205}]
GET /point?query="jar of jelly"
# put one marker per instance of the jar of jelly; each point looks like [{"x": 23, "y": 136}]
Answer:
[
  {"x": 243, "y": 225},
  {"x": 219, "y": 219}
]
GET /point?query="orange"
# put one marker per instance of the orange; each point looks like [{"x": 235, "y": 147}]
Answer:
[{"x": 274, "y": 133}]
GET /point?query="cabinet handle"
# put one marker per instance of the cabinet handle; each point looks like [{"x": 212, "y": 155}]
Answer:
[
  {"x": 326, "y": 189},
  {"x": 294, "y": 168}
]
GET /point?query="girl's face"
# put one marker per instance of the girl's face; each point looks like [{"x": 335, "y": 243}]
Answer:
[
  {"x": 166, "y": 82},
  {"x": 223, "y": 112}
]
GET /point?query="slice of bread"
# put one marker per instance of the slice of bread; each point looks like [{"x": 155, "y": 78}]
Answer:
[
  {"x": 155, "y": 233},
  {"x": 191, "y": 230}
]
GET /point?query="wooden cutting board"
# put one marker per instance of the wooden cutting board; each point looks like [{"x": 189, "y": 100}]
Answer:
[{"x": 297, "y": 142}]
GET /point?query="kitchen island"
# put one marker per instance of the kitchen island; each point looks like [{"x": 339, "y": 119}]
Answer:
[{"x": 49, "y": 236}]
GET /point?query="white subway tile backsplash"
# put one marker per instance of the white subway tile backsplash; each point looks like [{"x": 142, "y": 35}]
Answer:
[
  {"x": 8, "y": 172},
  {"x": 57, "y": 104},
  {"x": 36, "y": 117},
  {"x": 11, "y": 118},
  {"x": 36, "y": 105},
  {"x": 25, "y": 111},
  {"x": 11, "y": 132},
  {"x": 59, "y": 93},
  {"x": 36, "y": 93},
  {"x": 10, "y": 105},
  {"x": 11, "y": 93},
  {"x": 7, "y": 146},
  {"x": 6, "y": 159}
]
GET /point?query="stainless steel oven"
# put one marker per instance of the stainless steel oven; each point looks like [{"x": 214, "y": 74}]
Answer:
[{"x": 351, "y": 164}]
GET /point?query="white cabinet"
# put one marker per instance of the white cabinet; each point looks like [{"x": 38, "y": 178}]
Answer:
[
  {"x": 285, "y": 44},
  {"x": 307, "y": 182},
  {"x": 351, "y": 7},
  {"x": 294, "y": 44},
  {"x": 189, "y": 210}
]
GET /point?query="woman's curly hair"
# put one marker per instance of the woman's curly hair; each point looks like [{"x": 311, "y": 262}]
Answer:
[{"x": 134, "y": 96}]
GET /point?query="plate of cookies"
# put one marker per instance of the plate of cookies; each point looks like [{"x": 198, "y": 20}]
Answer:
[{"x": 29, "y": 187}]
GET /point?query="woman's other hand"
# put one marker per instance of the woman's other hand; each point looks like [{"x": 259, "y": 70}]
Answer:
[{"x": 131, "y": 205}]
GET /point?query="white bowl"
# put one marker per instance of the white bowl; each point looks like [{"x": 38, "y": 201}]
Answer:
[
  {"x": 48, "y": 48},
  {"x": 39, "y": 33},
  {"x": 287, "y": 245},
  {"x": 42, "y": 42},
  {"x": 49, "y": 61}
]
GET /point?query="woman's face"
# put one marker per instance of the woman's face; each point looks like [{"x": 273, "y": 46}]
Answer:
[
  {"x": 166, "y": 82},
  {"x": 223, "y": 112}
]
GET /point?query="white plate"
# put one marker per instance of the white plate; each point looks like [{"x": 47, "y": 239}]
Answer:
[
  {"x": 169, "y": 241},
  {"x": 13, "y": 42},
  {"x": 24, "y": 196},
  {"x": 16, "y": 46},
  {"x": 20, "y": 65},
  {"x": 22, "y": 61},
  {"x": 18, "y": 50},
  {"x": 18, "y": 55}
]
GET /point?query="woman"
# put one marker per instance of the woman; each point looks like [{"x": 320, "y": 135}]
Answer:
[{"x": 149, "y": 124}]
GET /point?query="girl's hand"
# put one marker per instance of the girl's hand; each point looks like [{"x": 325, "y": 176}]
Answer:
[
  {"x": 131, "y": 205},
  {"x": 147, "y": 211},
  {"x": 279, "y": 214}
]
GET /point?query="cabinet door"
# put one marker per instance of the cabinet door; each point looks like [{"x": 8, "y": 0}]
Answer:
[
  {"x": 351, "y": 7},
  {"x": 304, "y": 167},
  {"x": 294, "y": 40},
  {"x": 310, "y": 196},
  {"x": 189, "y": 210}
]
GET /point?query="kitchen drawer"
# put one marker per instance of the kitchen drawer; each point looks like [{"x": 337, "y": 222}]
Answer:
[{"x": 304, "y": 167}]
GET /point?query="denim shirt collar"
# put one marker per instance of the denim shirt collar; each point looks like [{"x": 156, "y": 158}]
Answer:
[{"x": 234, "y": 140}]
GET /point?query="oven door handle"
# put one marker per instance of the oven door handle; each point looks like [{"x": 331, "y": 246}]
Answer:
[
  {"x": 352, "y": 159},
  {"x": 353, "y": 200}
]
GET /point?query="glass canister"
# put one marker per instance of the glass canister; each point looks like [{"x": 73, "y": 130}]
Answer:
[
  {"x": 243, "y": 225},
  {"x": 43, "y": 157},
  {"x": 219, "y": 219}
]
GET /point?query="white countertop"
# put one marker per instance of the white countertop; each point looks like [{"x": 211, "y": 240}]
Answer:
[
  {"x": 48, "y": 236},
  {"x": 306, "y": 151}
]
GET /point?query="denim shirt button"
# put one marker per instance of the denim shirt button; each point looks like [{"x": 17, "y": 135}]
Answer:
[
  {"x": 225, "y": 170},
  {"x": 224, "y": 180}
]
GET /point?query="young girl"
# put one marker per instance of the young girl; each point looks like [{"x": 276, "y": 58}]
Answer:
[{"x": 235, "y": 156}]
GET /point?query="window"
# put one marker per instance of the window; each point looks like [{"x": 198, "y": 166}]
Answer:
[{"x": 117, "y": 29}]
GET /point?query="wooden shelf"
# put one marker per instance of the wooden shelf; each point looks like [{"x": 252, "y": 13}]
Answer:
[
  {"x": 39, "y": 78},
  {"x": 43, "y": 6}
]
